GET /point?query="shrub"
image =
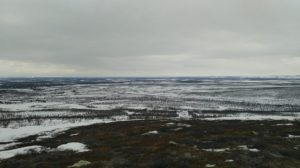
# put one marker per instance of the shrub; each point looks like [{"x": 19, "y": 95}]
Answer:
[
  {"x": 162, "y": 162},
  {"x": 292, "y": 153},
  {"x": 260, "y": 145},
  {"x": 91, "y": 143},
  {"x": 115, "y": 162}
]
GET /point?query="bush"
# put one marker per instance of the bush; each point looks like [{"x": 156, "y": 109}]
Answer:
[
  {"x": 259, "y": 145},
  {"x": 292, "y": 153},
  {"x": 91, "y": 143},
  {"x": 162, "y": 163},
  {"x": 115, "y": 162}
]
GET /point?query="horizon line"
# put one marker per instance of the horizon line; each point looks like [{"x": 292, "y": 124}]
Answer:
[{"x": 249, "y": 76}]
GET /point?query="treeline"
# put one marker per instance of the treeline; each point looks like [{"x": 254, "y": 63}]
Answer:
[
  {"x": 34, "y": 84},
  {"x": 154, "y": 114},
  {"x": 72, "y": 114}
]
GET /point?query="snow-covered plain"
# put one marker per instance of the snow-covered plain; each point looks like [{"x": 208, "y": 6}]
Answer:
[
  {"x": 265, "y": 95},
  {"x": 49, "y": 110}
]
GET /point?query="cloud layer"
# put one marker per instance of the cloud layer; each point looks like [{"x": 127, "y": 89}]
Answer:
[{"x": 149, "y": 38}]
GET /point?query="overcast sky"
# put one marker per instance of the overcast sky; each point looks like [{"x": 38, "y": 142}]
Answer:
[{"x": 99, "y": 38}]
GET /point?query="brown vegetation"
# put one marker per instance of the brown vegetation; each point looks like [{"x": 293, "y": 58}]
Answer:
[{"x": 121, "y": 144}]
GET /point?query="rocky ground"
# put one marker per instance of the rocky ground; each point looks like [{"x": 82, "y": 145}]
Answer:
[{"x": 169, "y": 143}]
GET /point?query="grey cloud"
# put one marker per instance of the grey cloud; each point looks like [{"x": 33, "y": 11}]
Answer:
[{"x": 99, "y": 33}]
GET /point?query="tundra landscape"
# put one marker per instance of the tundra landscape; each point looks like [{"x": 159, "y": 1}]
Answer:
[
  {"x": 150, "y": 122},
  {"x": 149, "y": 84}
]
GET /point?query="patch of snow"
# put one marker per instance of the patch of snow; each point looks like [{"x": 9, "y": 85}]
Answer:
[
  {"x": 183, "y": 125},
  {"x": 120, "y": 118},
  {"x": 75, "y": 146},
  {"x": 40, "y": 138},
  {"x": 254, "y": 150},
  {"x": 183, "y": 114},
  {"x": 150, "y": 132},
  {"x": 5, "y": 146},
  {"x": 104, "y": 106},
  {"x": 222, "y": 107},
  {"x": 74, "y": 134},
  {"x": 129, "y": 113},
  {"x": 294, "y": 136},
  {"x": 73, "y": 106},
  {"x": 9, "y": 134},
  {"x": 285, "y": 124},
  {"x": 177, "y": 129},
  {"x": 229, "y": 160},
  {"x": 210, "y": 165},
  {"x": 243, "y": 147},
  {"x": 28, "y": 106},
  {"x": 13, "y": 152},
  {"x": 138, "y": 107},
  {"x": 153, "y": 132},
  {"x": 186, "y": 107},
  {"x": 216, "y": 150}
]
